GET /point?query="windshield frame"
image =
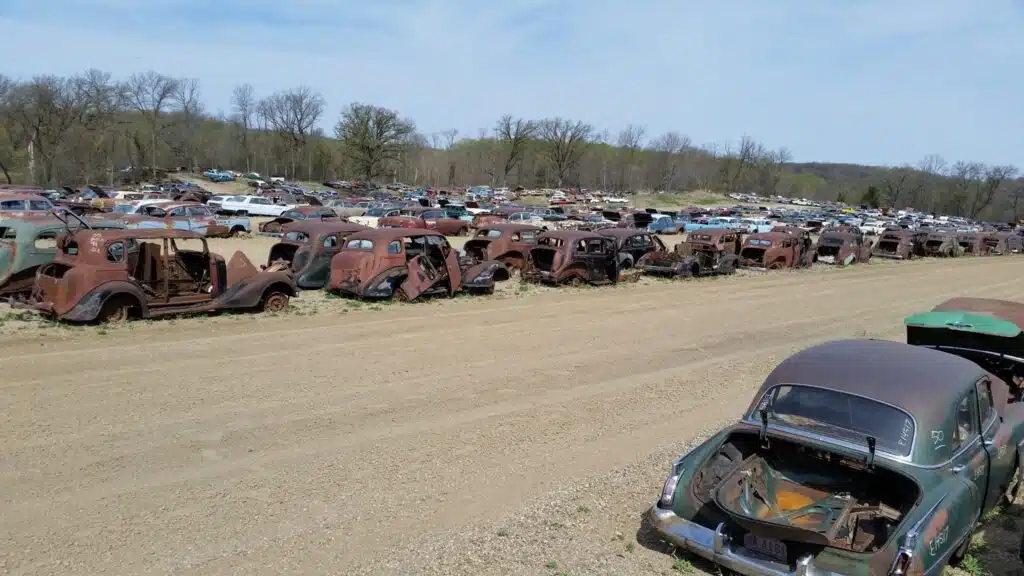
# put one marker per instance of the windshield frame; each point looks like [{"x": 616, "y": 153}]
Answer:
[{"x": 844, "y": 436}]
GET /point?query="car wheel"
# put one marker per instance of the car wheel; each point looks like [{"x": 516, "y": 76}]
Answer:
[
  {"x": 275, "y": 301},
  {"x": 115, "y": 310}
]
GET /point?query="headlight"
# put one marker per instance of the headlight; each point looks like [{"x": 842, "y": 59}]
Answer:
[{"x": 669, "y": 490}]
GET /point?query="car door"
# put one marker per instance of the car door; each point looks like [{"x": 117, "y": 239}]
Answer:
[
  {"x": 997, "y": 438},
  {"x": 320, "y": 267},
  {"x": 969, "y": 464},
  {"x": 180, "y": 220},
  {"x": 201, "y": 219}
]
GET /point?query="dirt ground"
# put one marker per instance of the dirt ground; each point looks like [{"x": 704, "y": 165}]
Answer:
[{"x": 523, "y": 433}]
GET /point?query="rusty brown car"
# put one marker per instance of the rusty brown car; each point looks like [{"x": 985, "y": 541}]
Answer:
[
  {"x": 507, "y": 243},
  {"x": 898, "y": 244},
  {"x": 705, "y": 252},
  {"x": 408, "y": 263},
  {"x": 1003, "y": 243},
  {"x": 842, "y": 247},
  {"x": 633, "y": 244},
  {"x": 115, "y": 275},
  {"x": 574, "y": 258},
  {"x": 423, "y": 218},
  {"x": 942, "y": 244},
  {"x": 307, "y": 246},
  {"x": 774, "y": 251},
  {"x": 298, "y": 213},
  {"x": 484, "y": 220},
  {"x": 972, "y": 243}
]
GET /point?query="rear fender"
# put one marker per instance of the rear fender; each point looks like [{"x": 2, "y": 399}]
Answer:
[
  {"x": 484, "y": 275},
  {"x": 384, "y": 284},
  {"x": 89, "y": 306},
  {"x": 249, "y": 292}
]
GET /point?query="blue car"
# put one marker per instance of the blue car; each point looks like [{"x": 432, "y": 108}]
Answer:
[{"x": 665, "y": 226}]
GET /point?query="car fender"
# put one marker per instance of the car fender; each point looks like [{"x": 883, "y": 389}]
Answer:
[
  {"x": 383, "y": 285},
  {"x": 89, "y": 306},
  {"x": 686, "y": 466},
  {"x": 248, "y": 292},
  {"x": 484, "y": 274},
  {"x": 943, "y": 519}
]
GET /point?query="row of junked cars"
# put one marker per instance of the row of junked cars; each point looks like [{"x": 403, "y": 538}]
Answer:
[
  {"x": 863, "y": 456},
  {"x": 86, "y": 268}
]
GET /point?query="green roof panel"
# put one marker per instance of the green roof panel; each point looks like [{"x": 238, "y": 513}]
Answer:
[{"x": 964, "y": 321}]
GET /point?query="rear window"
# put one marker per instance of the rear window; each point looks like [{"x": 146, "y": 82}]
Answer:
[
  {"x": 41, "y": 205},
  {"x": 839, "y": 415},
  {"x": 12, "y": 204},
  {"x": 359, "y": 245},
  {"x": 490, "y": 233},
  {"x": 296, "y": 236},
  {"x": 758, "y": 242}
]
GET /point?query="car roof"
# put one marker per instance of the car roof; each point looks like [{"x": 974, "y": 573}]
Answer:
[
  {"x": 922, "y": 381},
  {"x": 316, "y": 226},
  {"x": 621, "y": 232},
  {"x": 137, "y": 233},
  {"x": 1012, "y": 312},
  {"x": 509, "y": 227},
  {"x": 569, "y": 235},
  {"x": 713, "y": 232},
  {"x": 389, "y": 234},
  {"x": 773, "y": 235}
]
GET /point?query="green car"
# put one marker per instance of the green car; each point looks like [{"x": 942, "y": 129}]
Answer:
[
  {"x": 28, "y": 243},
  {"x": 862, "y": 457}
]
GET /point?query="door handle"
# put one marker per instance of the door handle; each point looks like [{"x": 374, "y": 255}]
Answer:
[
  {"x": 988, "y": 443},
  {"x": 957, "y": 469}
]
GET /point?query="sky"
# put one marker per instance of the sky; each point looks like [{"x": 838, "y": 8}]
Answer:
[{"x": 883, "y": 82}]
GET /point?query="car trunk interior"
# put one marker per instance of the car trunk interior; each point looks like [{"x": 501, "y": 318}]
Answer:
[
  {"x": 806, "y": 498},
  {"x": 933, "y": 244},
  {"x": 476, "y": 249},
  {"x": 754, "y": 255},
  {"x": 828, "y": 250},
  {"x": 282, "y": 251},
  {"x": 543, "y": 258},
  {"x": 888, "y": 246},
  {"x": 968, "y": 246}
]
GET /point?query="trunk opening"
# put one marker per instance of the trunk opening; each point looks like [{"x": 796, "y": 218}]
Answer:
[
  {"x": 828, "y": 251},
  {"x": 792, "y": 499},
  {"x": 285, "y": 252},
  {"x": 543, "y": 258},
  {"x": 933, "y": 244},
  {"x": 752, "y": 256},
  {"x": 888, "y": 246},
  {"x": 477, "y": 249}
]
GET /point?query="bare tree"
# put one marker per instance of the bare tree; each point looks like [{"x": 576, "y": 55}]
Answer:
[
  {"x": 293, "y": 114},
  {"x": 630, "y": 141},
  {"x": 371, "y": 137},
  {"x": 243, "y": 103},
  {"x": 974, "y": 185},
  {"x": 735, "y": 166},
  {"x": 564, "y": 143},
  {"x": 189, "y": 106},
  {"x": 900, "y": 187},
  {"x": 668, "y": 149},
  {"x": 769, "y": 166},
  {"x": 450, "y": 137},
  {"x": 151, "y": 95},
  {"x": 514, "y": 135}
]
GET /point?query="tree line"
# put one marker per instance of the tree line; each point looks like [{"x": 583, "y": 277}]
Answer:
[{"x": 85, "y": 128}]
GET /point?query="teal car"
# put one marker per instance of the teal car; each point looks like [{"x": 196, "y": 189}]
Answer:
[{"x": 857, "y": 457}]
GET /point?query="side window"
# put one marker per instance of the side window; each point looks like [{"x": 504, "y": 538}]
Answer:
[
  {"x": 395, "y": 247},
  {"x": 965, "y": 425},
  {"x": 177, "y": 213},
  {"x": 39, "y": 205},
  {"x": 331, "y": 241},
  {"x": 199, "y": 211},
  {"x": 986, "y": 411},
  {"x": 115, "y": 252},
  {"x": 530, "y": 236},
  {"x": 46, "y": 240},
  {"x": 516, "y": 238},
  {"x": 437, "y": 241},
  {"x": 12, "y": 205}
]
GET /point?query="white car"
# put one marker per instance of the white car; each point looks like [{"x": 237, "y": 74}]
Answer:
[
  {"x": 252, "y": 206},
  {"x": 872, "y": 227}
]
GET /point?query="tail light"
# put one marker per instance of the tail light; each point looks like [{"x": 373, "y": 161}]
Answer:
[{"x": 668, "y": 491}]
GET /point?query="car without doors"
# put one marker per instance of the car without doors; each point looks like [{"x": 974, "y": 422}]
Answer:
[
  {"x": 1003, "y": 243},
  {"x": 942, "y": 244},
  {"x": 899, "y": 244},
  {"x": 409, "y": 263},
  {"x": 854, "y": 457},
  {"x": 507, "y": 243},
  {"x": 774, "y": 251},
  {"x": 574, "y": 258},
  {"x": 115, "y": 275},
  {"x": 633, "y": 244},
  {"x": 972, "y": 243},
  {"x": 842, "y": 247},
  {"x": 425, "y": 218},
  {"x": 297, "y": 214},
  {"x": 705, "y": 252},
  {"x": 307, "y": 247}
]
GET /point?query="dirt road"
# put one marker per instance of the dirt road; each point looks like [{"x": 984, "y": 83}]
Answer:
[{"x": 522, "y": 435}]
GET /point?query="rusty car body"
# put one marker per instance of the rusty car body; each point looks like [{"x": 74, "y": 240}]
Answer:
[
  {"x": 633, "y": 244},
  {"x": 854, "y": 457},
  {"x": 115, "y": 275},
  {"x": 899, "y": 244},
  {"x": 385, "y": 262},
  {"x": 842, "y": 247},
  {"x": 574, "y": 258},
  {"x": 942, "y": 244},
  {"x": 307, "y": 247},
  {"x": 1003, "y": 243},
  {"x": 190, "y": 216},
  {"x": 507, "y": 243},
  {"x": 28, "y": 243},
  {"x": 296, "y": 214},
  {"x": 775, "y": 250},
  {"x": 972, "y": 243},
  {"x": 705, "y": 252},
  {"x": 425, "y": 218}
]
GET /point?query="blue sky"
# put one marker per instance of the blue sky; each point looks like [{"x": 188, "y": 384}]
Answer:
[{"x": 870, "y": 81}]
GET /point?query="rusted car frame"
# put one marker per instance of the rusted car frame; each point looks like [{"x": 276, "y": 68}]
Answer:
[
  {"x": 307, "y": 247},
  {"x": 1003, "y": 243},
  {"x": 842, "y": 247},
  {"x": 942, "y": 244},
  {"x": 115, "y": 275},
  {"x": 574, "y": 258},
  {"x": 426, "y": 218},
  {"x": 774, "y": 251},
  {"x": 633, "y": 244},
  {"x": 409, "y": 263},
  {"x": 297, "y": 214},
  {"x": 898, "y": 244},
  {"x": 972, "y": 243},
  {"x": 506, "y": 243},
  {"x": 705, "y": 252}
]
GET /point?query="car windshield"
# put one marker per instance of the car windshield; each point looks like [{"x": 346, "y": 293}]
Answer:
[
  {"x": 839, "y": 415},
  {"x": 124, "y": 208},
  {"x": 376, "y": 212}
]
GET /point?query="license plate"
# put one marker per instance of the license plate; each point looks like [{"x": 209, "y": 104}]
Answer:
[{"x": 766, "y": 546}]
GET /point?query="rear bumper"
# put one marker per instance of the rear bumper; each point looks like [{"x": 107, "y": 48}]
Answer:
[
  {"x": 716, "y": 546},
  {"x": 888, "y": 255}
]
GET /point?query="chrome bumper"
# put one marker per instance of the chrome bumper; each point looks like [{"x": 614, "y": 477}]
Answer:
[
  {"x": 716, "y": 546},
  {"x": 827, "y": 259}
]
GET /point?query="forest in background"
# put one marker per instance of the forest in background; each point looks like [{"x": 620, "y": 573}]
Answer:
[{"x": 87, "y": 128}]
